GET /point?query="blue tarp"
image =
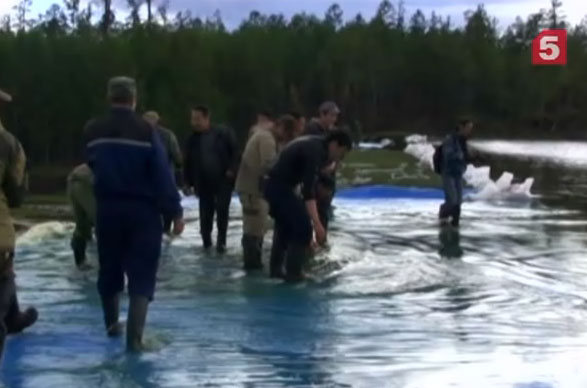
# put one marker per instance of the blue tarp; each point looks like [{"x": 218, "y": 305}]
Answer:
[{"x": 388, "y": 191}]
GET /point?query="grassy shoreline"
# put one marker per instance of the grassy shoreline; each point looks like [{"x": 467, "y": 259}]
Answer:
[{"x": 361, "y": 167}]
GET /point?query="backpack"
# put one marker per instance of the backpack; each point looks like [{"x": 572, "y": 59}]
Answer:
[{"x": 437, "y": 159}]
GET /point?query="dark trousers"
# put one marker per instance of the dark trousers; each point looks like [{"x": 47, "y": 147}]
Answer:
[
  {"x": 453, "y": 198},
  {"x": 129, "y": 242},
  {"x": 215, "y": 197},
  {"x": 292, "y": 225}
]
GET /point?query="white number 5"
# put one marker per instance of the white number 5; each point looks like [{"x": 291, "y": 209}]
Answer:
[{"x": 549, "y": 43}]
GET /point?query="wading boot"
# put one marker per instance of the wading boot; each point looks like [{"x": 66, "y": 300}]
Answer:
[
  {"x": 277, "y": 259},
  {"x": 78, "y": 245},
  {"x": 137, "y": 315},
  {"x": 23, "y": 320},
  {"x": 3, "y": 333},
  {"x": 110, "y": 306},
  {"x": 297, "y": 256},
  {"x": 252, "y": 251}
]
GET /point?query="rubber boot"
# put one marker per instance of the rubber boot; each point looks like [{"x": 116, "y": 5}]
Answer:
[
  {"x": 78, "y": 245},
  {"x": 111, "y": 309},
  {"x": 207, "y": 240},
  {"x": 3, "y": 333},
  {"x": 297, "y": 256},
  {"x": 137, "y": 316},
  {"x": 252, "y": 251},
  {"x": 221, "y": 243},
  {"x": 277, "y": 258},
  {"x": 456, "y": 216},
  {"x": 23, "y": 320}
]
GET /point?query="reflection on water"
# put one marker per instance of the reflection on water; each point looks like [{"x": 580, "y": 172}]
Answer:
[{"x": 395, "y": 301}]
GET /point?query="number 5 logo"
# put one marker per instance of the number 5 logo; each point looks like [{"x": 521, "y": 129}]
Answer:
[{"x": 550, "y": 48}]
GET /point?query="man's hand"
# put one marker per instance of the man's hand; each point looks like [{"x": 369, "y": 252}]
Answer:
[
  {"x": 329, "y": 169},
  {"x": 178, "y": 226},
  {"x": 320, "y": 234}
]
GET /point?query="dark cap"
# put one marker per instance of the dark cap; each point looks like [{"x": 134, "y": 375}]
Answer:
[
  {"x": 122, "y": 89},
  {"x": 5, "y": 96},
  {"x": 329, "y": 106}
]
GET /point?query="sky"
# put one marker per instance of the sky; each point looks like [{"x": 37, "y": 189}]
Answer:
[{"x": 234, "y": 11}]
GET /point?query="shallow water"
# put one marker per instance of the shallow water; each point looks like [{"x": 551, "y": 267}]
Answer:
[{"x": 394, "y": 302}]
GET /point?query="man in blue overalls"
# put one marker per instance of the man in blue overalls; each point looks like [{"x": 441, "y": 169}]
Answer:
[{"x": 134, "y": 189}]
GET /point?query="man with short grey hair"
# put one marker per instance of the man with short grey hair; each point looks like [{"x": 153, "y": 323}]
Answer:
[{"x": 134, "y": 189}]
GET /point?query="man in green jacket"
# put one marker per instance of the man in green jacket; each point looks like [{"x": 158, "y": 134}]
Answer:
[
  {"x": 80, "y": 190},
  {"x": 13, "y": 184},
  {"x": 174, "y": 154},
  {"x": 259, "y": 154}
]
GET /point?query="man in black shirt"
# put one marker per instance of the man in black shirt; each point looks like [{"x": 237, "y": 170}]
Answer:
[
  {"x": 327, "y": 116},
  {"x": 211, "y": 162},
  {"x": 300, "y": 163}
]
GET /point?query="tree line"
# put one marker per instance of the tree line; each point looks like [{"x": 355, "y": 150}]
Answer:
[{"x": 394, "y": 72}]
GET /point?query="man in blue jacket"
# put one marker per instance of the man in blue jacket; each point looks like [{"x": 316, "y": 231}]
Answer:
[
  {"x": 455, "y": 157},
  {"x": 134, "y": 189}
]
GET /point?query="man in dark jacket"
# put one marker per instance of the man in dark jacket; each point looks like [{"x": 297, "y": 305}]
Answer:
[
  {"x": 134, "y": 188},
  {"x": 327, "y": 116},
  {"x": 455, "y": 157},
  {"x": 211, "y": 164},
  {"x": 300, "y": 163}
]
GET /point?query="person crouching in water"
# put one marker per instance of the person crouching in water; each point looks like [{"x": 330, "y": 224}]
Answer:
[
  {"x": 13, "y": 184},
  {"x": 259, "y": 154},
  {"x": 80, "y": 190},
  {"x": 455, "y": 157},
  {"x": 300, "y": 162}
]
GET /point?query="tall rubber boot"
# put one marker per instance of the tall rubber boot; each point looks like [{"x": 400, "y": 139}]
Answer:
[
  {"x": 137, "y": 316},
  {"x": 456, "y": 216},
  {"x": 297, "y": 256},
  {"x": 277, "y": 259},
  {"x": 252, "y": 251},
  {"x": 3, "y": 333},
  {"x": 16, "y": 321},
  {"x": 111, "y": 309},
  {"x": 78, "y": 245},
  {"x": 23, "y": 320},
  {"x": 221, "y": 242}
]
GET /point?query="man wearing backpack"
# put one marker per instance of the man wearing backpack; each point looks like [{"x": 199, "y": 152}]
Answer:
[{"x": 450, "y": 161}]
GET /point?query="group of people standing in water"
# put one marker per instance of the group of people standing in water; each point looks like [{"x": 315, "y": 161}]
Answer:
[{"x": 127, "y": 190}]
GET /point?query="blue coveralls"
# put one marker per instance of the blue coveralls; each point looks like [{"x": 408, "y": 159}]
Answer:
[
  {"x": 134, "y": 188},
  {"x": 454, "y": 165}
]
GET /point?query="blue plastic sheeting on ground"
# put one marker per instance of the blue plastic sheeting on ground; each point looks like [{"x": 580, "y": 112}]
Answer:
[{"x": 382, "y": 192}]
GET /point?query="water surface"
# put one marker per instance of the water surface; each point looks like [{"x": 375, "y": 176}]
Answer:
[{"x": 395, "y": 302}]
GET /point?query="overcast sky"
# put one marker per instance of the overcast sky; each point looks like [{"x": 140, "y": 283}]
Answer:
[{"x": 234, "y": 11}]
